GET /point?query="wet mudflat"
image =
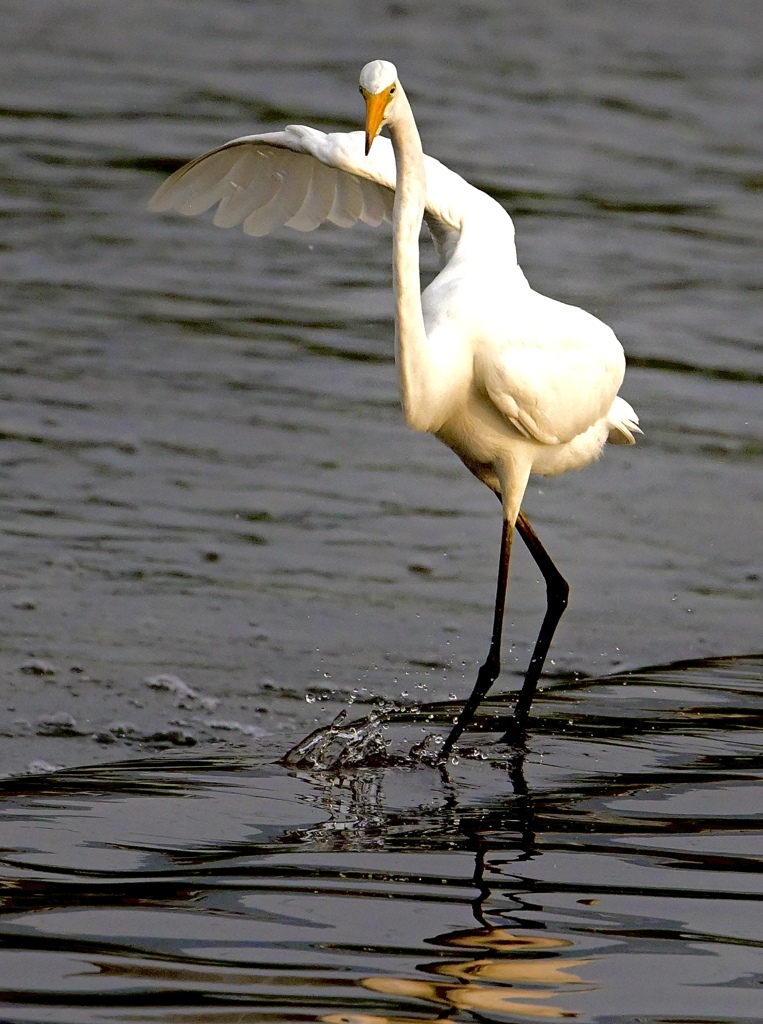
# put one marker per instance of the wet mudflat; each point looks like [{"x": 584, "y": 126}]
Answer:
[{"x": 217, "y": 533}]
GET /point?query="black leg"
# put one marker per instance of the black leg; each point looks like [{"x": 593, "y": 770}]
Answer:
[
  {"x": 557, "y": 594},
  {"x": 488, "y": 674}
]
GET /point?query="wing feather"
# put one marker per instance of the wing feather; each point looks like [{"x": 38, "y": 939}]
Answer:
[
  {"x": 319, "y": 198},
  {"x": 301, "y": 177},
  {"x": 192, "y": 194},
  {"x": 377, "y": 204},
  {"x": 248, "y": 190},
  {"x": 291, "y": 174},
  {"x": 348, "y": 201}
]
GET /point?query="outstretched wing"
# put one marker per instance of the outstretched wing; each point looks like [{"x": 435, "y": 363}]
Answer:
[{"x": 301, "y": 177}]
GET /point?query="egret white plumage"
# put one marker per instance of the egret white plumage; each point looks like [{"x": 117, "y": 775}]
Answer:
[{"x": 512, "y": 381}]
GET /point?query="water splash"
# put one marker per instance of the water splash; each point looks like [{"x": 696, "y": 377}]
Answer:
[{"x": 337, "y": 745}]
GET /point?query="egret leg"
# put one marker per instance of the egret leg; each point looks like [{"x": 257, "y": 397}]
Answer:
[
  {"x": 557, "y": 595},
  {"x": 488, "y": 674}
]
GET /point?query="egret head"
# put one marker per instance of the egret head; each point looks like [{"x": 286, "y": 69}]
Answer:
[{"x": 378, "y": 85}]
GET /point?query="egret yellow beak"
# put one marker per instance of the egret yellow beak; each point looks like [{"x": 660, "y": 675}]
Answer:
[{"x": 376, "y": 104}]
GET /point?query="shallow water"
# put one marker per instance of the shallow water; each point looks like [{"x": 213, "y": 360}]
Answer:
[
  {"x": 614, "y": 875},
  {"x": 218, "y": 532}
]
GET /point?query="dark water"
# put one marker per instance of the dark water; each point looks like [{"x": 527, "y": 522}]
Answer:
[
  {"x": 615, "y": 876},
  {"x": 217, "y": 531}
]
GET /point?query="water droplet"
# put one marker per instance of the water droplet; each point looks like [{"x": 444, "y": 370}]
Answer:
[{"x": 310, "y": 698}]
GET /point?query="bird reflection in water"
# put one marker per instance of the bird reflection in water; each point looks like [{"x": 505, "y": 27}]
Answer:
[
  {"x": 499, "y": 970},
  {"x": 510, "y": 981}
]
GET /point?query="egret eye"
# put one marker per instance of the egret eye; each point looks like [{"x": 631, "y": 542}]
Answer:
[{"x": 392, "y": 89}]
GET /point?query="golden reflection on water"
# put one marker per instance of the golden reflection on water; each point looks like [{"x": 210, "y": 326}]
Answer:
[
  {"x": 470, "y": 991},
  {"x": 500, "y": 940},
  {"x": 536, "y": 972},
  {"x": 369, "y": 1018}
]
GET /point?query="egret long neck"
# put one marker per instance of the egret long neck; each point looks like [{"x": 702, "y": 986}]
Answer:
[{"x": 411, "y": 350}]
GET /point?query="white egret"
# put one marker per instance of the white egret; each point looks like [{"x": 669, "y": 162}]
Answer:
[{"x": 512, "y": 381}]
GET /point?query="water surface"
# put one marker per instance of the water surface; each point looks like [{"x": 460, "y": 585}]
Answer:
[
  {"x": 614, "y": 874},
  {"x": 218, "y": 532}
]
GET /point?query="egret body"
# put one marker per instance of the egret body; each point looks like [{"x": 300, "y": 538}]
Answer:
[{"x": 512, "y": 381}]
